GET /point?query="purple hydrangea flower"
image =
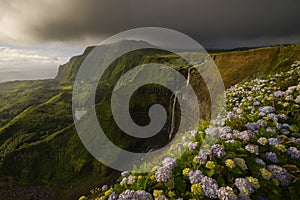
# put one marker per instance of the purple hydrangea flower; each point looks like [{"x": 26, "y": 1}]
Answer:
[
  {"x": 273, "y": 117},
  {"x": 256, "y": 103},
  {"x": 294, "y": 153},
  {"x": 280, "y": 174},
  {"x": 203, "y": 154},
  {"x": 192, "y": 146},
  {"x": 272, "y": 157},
  {"x": 262, "y": 123},
  {"x": 244, "y": 186},
  {"x": 133, "y": 195},
  {"x": 244, "y": 135},
  {"x": 163, "y": 174},
  {"x": 274, "y": 141},
  {"x": 278, "y": 94},
  {"x": 270, "y": 130},
  {"x": 195, "y": 176},
  {"x": 209, "y": 187},
  {"x": 169, "y": 162},
  {"x": 266, "y": 109},
  {"x": 252, "y": 127},
  {"x": 218, "y": 150},
  {"x": 113, "y": 196},
  {"x": 260, "y": 161}
]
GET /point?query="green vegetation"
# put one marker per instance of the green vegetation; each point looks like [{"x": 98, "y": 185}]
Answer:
[{"x": 38, "y": 142}]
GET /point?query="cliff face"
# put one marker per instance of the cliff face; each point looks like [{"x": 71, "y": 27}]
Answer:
[
  {"x": 38, "y": 142},
  {"x": 234, "y": 66},
  {"x": 237, "y": 65}
]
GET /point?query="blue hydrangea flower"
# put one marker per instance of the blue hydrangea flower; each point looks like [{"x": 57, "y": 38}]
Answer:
[
  {"x": 280, "y": 174},
  {"x": 260, "y": 161},
  {"x": 195, "y": 176},
  {"x": 270, "y": 156}
]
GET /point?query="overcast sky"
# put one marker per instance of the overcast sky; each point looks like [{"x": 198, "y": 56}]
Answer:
[{"x": 56, "y": 29}]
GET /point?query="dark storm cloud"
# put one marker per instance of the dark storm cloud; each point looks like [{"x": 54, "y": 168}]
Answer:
[{"x": 211, "y": 22}]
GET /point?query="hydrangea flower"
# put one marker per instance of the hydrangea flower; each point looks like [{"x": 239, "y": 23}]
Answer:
[
  {"x": 297, "y": 100},
  {"x": 252, "y": 148},
  {"x": 218, "y": 150},
  {"x": 244, "y": 186},
  {"x": 210, "y": 165},
  {"x": 209, "y": 187},
  {"x": 271, "y": 156},
  {"x": 124, "y": 173},
  {"x": 274, "y": 141},
  {"x": 279, "y": 94},
  {"x": 254, "y": 182},
  {"x": 203, "y": 154},
  {"x": 196, "y": 189},
  {"x": 266, "y": 109},
  {"x": 195, "y": 176},
  {"x": 156, "y": 193},
  {"x": 260, "y": 161},
  {"x": 252, "y": 127},
  {"x": 262, "y": 123},
  {"x": 192, "y": 146},
  {"x": 241, "y": 163},
  {"x": 262, "y": 141},
  {"x": 133, "y": 195},
  {"x": 186, "y": 171},
  {"x": 113, "y": 196},
  {"x": 265, "y": 174},
  {"x": 244, "y": 135},
  {"x": 124, "y": 181},
  {"x": 226, "y": 193},
  {"x": 169, "y": 162},
  {"x": 131, "y": 179},
  {"x": 163, "y": 174},
  {"x": 280, "y": 174},
  {"x": 256, "y": 103},
  {"x": 270, "y": 130},
  {"x": 230, "y": 163},
  {"x": 293, "y": 152},
  {"x": 104, "y": 188}
]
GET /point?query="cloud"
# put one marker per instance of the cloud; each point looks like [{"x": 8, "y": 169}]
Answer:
[
  {"x": 20, "y": 56},
  {"x": 212, "y": 22},
  {"x": 21, "y": 64}
]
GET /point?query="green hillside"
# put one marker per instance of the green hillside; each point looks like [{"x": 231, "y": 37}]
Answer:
[{"x": 39, "y": 145}]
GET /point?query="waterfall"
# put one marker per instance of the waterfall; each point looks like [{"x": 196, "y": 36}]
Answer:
[
  {"x": 174, "y": 104},
  {"x": 173, "y": 114},
  {"x": 188, "y": 77}
]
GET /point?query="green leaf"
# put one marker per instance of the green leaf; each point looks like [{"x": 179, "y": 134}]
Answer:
[{"x": 180, "y": 184}]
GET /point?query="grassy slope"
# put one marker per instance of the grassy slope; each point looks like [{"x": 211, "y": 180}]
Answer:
[{"x": 38, "y": 127}]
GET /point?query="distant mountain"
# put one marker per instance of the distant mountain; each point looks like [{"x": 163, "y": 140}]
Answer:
[{"x": 38, "y": 142}]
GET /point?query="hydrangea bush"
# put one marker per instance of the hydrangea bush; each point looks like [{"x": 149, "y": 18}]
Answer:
[{"x": 256, "y": 155}]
